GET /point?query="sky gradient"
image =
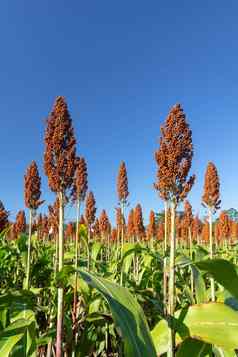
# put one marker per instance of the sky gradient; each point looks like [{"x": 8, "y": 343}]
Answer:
[{"x": 121, "y": 66}]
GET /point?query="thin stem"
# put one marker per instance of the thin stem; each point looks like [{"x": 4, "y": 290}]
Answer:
[
  {"x": 191, "y": 257},
  {"x": 165, "y": 258},
  {"x": 60, "y": 290},
  {"x": 211, "y": 252},
  {"x": 76, "y": 267},
  {"x": 122, "y": 224},
  {"x": 171, "y": 297},
  {"x": 29, "y": 251}
]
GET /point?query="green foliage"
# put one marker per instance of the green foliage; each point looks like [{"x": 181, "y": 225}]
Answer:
[
  {"x": 121, "y": 304},
  {"x": 127, "y": 315}
]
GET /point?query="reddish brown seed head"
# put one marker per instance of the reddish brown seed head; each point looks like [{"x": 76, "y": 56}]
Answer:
[
  {"x": 160, "y": 232},
  {"x": 174, "y": 157},
  {"x": 90, "y": 209},
  {"x": 211, "y": 191},
  {"x": 96, "y": 228},
  {"x": 122, "y": 183},
  {"x": 114, "y": 235},
  {"x": 20, "y": 224},
  {"x": 188, "y": 214},
  {"x": 196, "y": 227},
  {"x": 104, "y": 223},
  {"x": 60, "y": 148},
  {"x": 151, "y": 229},
  {"x": 80, "y": 183},
  {"x": 138, "y": 222},
  {"x": 120, "y": 220},
  {"x": 32, "y": 185},
  {"x": 224, "y": 225},
  {"x": 130, "y": 224},
  {"x": 53, "y": 218},
  {"x": 69, "y": 231},
  {"x": 205, "y": 232}
]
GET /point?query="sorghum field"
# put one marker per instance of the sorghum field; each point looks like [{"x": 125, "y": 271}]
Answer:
[{"x": 90, "y": 288}]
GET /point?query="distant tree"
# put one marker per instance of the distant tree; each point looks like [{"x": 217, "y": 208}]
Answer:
[{"x": 232, "y": 214}]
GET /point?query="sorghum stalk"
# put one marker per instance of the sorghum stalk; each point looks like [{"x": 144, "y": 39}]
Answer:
[
  {"x": 29, "y": 250},
  {"x": 174, "y": 159},
  {"x": 211, "y": 200},
  {"x": 32, "y": 193},
  {"x": 171, "y": 295},
  {"x": 61, "y": 264},
  {"x": 165, "y": 279},
  {"x": 211, "y": 252},
  {"x": 59, "y": 164},
  {"x": 122, "y": 190}
]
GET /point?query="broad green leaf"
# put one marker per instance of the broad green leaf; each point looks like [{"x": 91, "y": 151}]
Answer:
[
  {"x": 10, "y": 336},
  {"x": 17, "y": 300},
  {"x": 81, "y": 285},
  {"x": 25, "y": 315},
  {"x": 223, "y": 272},
  {"x": 221, "y": 352},
  {"x": 147, "y": 259},
  {"x": 128, "y": 255},
  {"x": 194, "y": 348},
  {"x": 213, "y": 323},
  {"x": 182, "y": 261},
  {"x": 94, "y": 306},
  {"x": 95, "y": 250},
  {"x": 160, "y": 337},
  {"x": 127, "y": 314},
  {"x": 28, "y": 343},
  {"x": 199, "y": 285},
  {"x": 200, "y": 253}
]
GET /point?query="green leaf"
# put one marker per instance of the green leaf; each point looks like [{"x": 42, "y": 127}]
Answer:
[
  {"x": 223, "y": 272},
  {"x": 17, "y": 300},
  {"x": 95, "y": 250},
  {"x": 221, "y": 352},
  {"x": 199, "y": 285},
  {"x": 147, "y": 260},
  {"x": 195, "y": 348},
  {"x": 127, "y": 314},
  {"x": 160, "y": 337},
  {"x": 12, "y": 335},
  {"x": 128, "y": 255},
  {"x": 25, "y": 315},
  {"x": 4, "y": 318},
  {"x": 213, "y": 323},
  {"x": 200, "y": 253}
]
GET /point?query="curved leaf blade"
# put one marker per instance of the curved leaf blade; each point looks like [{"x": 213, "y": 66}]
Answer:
[
  {"x": 223, "y": 271},
  {"x": 127, "y": 315}
]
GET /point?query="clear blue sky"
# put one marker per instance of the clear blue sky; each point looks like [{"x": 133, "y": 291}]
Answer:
[{"x": 121, "y": 65}]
